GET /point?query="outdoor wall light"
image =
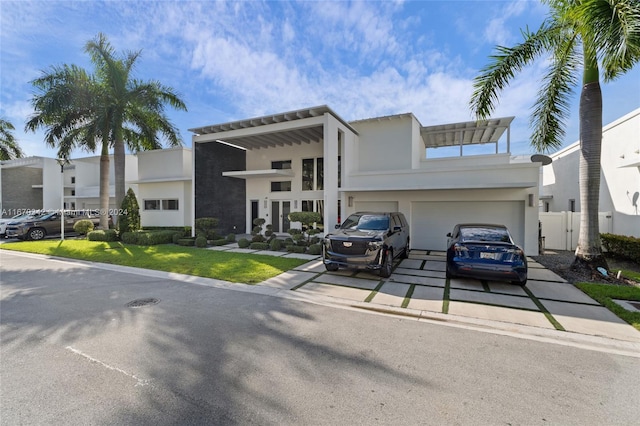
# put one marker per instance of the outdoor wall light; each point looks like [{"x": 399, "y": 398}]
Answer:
[{"x": 350, "y": 201}]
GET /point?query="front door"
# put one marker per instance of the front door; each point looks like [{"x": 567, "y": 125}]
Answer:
[{"x": 280, "y": 215}]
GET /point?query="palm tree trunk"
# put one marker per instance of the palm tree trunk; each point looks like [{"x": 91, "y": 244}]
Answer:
[
  {"x": 589, "y": 250},
  {"x": 119, "y": 166},
  {"x": 104, "y": 185}
]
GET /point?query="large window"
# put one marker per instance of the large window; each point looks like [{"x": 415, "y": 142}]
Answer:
[
  {"x": 167, "y": 204},
  {"x": 313, "y": 174},
  {"x": 281, "y": 186},
  {"x": 314, "y": 206}
]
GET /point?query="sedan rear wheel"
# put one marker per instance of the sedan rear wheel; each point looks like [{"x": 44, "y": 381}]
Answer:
[{"x": 36, "y": 234}]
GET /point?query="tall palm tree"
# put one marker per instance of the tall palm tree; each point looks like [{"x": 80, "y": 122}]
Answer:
[
  {"x": 136, "y": 108},
  {"x": 68, "y": 103},
  {"x": 578, "y": 35},
  {"x": 9, "y": 148}
]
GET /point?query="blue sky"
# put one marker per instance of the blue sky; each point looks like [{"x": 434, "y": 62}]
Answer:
[{"x": 236, "y": 60}]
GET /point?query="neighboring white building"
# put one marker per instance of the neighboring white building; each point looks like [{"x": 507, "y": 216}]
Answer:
[
  {"x": 161, "y": 180},
  {"x": 311, "y": 159},
  {"x": 619, "y": 181},
  {"x": 164, "y": 187}
]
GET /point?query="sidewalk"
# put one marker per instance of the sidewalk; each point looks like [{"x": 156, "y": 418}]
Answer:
[{"x": 418, "y": 287}]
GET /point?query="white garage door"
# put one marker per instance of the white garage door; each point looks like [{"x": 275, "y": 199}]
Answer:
[
  {"x": 432, "y": 220},
  {"x": 376, "y": 206}
]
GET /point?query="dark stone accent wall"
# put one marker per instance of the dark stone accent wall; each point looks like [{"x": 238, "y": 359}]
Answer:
[
  {"x": 17, "y": 191},
  {"x": 216, "y": 195}
]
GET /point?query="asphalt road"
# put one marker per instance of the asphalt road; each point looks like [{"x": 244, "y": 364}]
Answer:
[{"x": 72, "y": 352}]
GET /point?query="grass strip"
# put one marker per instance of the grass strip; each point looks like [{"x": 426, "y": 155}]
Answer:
[
  {"x": 445, "y": 297},
  {"x": 407, "y": 297},
  {"x": 222, "y": 265},
  {"x": 604, "y": 293},
  {"x": 544, "y": 310},
  {"x": 374, "y": 292}
]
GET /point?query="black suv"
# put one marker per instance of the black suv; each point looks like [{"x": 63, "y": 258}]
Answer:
[{"x": 367, "y": 240}]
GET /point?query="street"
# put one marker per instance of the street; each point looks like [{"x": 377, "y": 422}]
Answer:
[{"x": 73, "y": 352}]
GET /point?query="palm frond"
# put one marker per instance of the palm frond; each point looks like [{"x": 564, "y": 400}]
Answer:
[
  {"x": 504, "y": 65},
  {"x": 552, "y": 106}
]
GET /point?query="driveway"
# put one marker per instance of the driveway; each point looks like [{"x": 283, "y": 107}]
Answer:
[{"x": 418, "y": 287}]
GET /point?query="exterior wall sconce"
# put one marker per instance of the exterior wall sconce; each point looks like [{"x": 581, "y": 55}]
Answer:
[
  {"x": 350, "y": 201},
  {"x": 265, "y": 202},
  {"x": 295, "y": 204}
]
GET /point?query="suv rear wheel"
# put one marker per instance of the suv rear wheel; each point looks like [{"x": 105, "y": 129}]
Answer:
[{"x": 36, "y": 234}]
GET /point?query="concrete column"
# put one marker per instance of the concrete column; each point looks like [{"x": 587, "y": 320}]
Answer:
[{"x": 331, "y": 193}]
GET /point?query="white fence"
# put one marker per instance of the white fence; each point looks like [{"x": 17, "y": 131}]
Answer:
[{"x": 561, "y": 229}]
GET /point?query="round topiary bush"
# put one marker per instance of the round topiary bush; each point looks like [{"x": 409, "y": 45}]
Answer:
[
  {"x": 315, "y": 249},
  {"x": 243, "y": 243},
  {"x": 201, "y": 241},
  {"x": 83, "y": 226},
  {"x": 276, "y": 245},
  {"x": 231, "y": 238}
]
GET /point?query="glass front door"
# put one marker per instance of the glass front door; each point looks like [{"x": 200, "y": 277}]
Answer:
[{"x": 280, "y": 215}]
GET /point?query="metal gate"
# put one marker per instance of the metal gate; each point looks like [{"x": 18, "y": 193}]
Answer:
[{"x": 561, "y": 229}]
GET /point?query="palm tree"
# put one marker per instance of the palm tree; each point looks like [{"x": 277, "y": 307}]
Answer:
[
  {"x": 136, "y": 108},
  {"x": 109, "y": 107},
  {"x": 9, "y": 148},
  {"x": 578, "y": 35},
  {"x": 68, "y": 105}
]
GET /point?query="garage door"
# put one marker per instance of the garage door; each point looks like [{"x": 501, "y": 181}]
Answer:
[
  {"x": 431, "y": 220},
  {"x": 376, "y": 206}
]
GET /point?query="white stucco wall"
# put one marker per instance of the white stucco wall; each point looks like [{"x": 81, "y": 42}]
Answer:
[
  {"x": 620, "y": 176},
  {"x": 385, "y": 144},
  {"x": 180, "y": 190}
]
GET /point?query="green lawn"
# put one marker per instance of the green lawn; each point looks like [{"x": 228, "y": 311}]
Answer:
[
  {"x": 234, "y": 267},
  {"x": 603, "y": 293}
]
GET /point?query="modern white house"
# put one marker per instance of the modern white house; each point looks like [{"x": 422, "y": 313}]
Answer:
[
  {"x": 313, "y": 160},
  {"x": 619, "y": 186}
]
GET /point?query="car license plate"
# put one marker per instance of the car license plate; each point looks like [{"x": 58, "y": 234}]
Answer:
[{"x": 484, "y": 255}]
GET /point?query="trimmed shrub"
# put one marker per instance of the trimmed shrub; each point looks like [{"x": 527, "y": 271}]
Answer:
[
  {"x": 201, "y": 242},
  {"x": 259, "y": 246},
  {"x": 231, "y": 238},
  {"x": 306, "y": 218},
  {"x": 243, "y": 243},
  {"x": 107, "y": 235},
  {"x": 129, "y": 220},
  {"x": 288, "y": 241},
  {"x": 295, "y": 231},
  {"x": 258, "y": 238},
  {"x": 148, "y": 238},
  {"x": 83, "y": 226},
  {"x": 206, "y": 226},
  {"x": 622, "y": 246},
  {"x": 186, "y": 242},
  {"x": 219, "y": 242},
  {"x": 276, "y": 244},
  {"x": 315, "y": 249},
  {"x": 296, "y": 249},
  {"x": 176, "y": 237}
]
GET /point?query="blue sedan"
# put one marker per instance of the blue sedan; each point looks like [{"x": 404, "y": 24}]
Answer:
[{"x": 485, "y": 252}]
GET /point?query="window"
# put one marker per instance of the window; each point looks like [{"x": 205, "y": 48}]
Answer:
[
  {"x": 73, "y": 192},
  {"x": 168, "y": 204},
  {"x": 313, "y": 174},
  {"x": 307, "y": 174},
  {"x": 572, "y": 205},
  {"x": 73, "y": 179},
  {"x": 546, "y": 206},
  {"x": 281, "y": 186},
  {"x": 280, "y": 165},
  {"x": 152, "y": 204}
]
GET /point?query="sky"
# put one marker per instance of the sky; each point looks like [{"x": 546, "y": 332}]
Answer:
[{"x": 237, "y": 60}]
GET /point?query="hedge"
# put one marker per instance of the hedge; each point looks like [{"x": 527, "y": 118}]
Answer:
[
  {"x": 622, "y": 246},
  {"x": 103, "y": 235},
  {"x": 186, "y": 242},
  {"x": 296, "y": 249},
  {"x": 220, "y": 242},
  {"x": 148, "y": 238},
  {"x": 259, "y": 246},
  {"x": 315, "y": 249}
]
